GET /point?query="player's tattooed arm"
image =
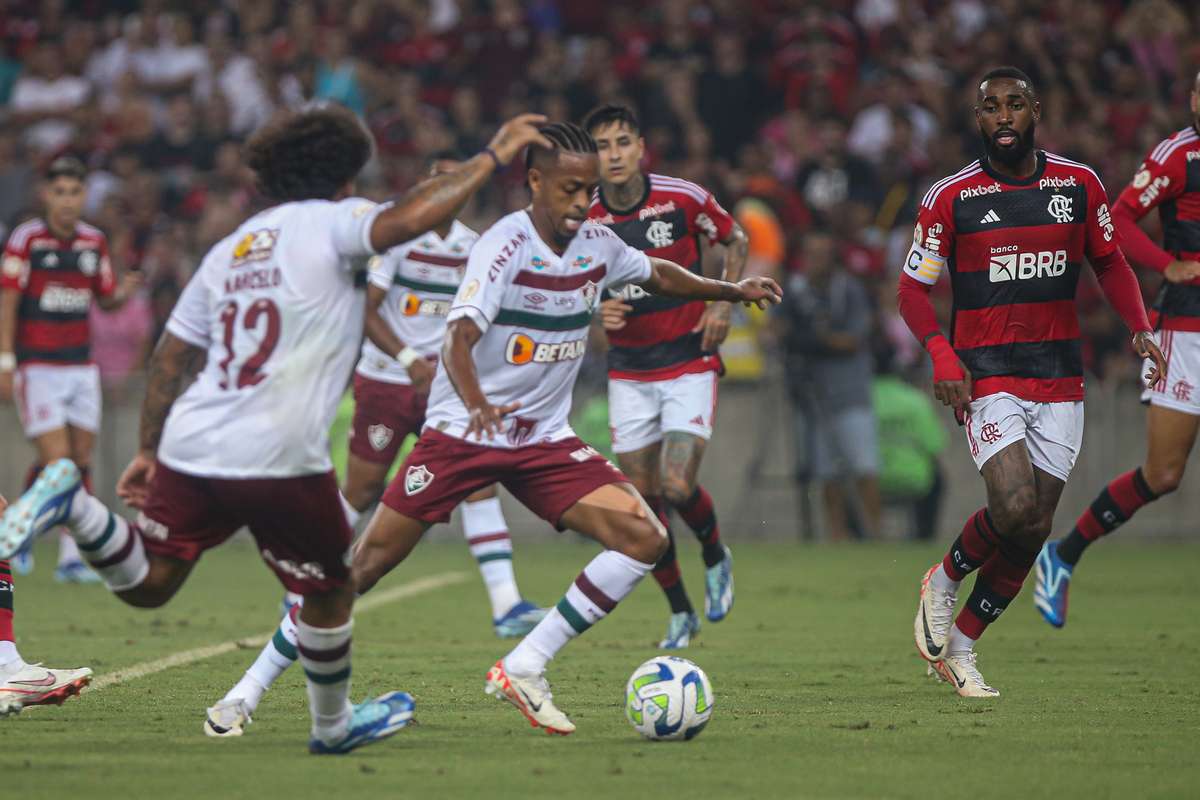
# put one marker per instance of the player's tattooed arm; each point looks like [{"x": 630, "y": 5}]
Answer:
[
  {"x": 670, "y": 279},
  {"x": 435, "y": 201},
  {"x": 172, "y": 367},
  {"x": 486, "y": 419},
  {"x": 681, "y": 457},
  {"x": 715, "y": 321}
]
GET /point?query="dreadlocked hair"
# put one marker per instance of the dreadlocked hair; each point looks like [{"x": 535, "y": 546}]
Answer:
[
  {"x": 310, "y": 154},
  {"x": 566, "y": 137}
]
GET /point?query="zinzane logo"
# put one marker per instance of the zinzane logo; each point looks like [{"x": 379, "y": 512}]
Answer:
[
  {"x": 1027, "y": 266},
  {"x": 978, "y": 191},
  {"x": 523, "y": 350}
]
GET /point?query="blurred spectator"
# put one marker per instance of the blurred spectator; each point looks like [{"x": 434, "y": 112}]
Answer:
[
  {"x": 43, "y": 100},
  {"x": 827, "y": 319},
  {"x": 16, "y": 180}
]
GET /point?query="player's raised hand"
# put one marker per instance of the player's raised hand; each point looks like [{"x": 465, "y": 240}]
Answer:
[
  {"x": 1182, "y": 271},
  {"x": 516, "y": 134},
  {"x": 715, "y": 324},
  {"x": 613, "y": 312},
  {"x": 134, "y": 486},
  {"x": 762, "y": 292},
  {"x": 488, "y": 420},
  {"x": 1145, "y": 346}
]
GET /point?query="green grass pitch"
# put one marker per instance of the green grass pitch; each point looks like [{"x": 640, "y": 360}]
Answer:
[{"x": 819, "y": 690}]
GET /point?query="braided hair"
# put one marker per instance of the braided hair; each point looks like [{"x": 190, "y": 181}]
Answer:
[{"x": 567, "y": 137}]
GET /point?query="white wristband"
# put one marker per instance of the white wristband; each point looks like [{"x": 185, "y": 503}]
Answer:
[
  {"x": 407, "y": 356},
  {"x": 8, "y": 362}
]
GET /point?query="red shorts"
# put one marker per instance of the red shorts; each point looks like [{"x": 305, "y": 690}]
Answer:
[
  {"x": 298, "y": 523},
  {"x": 384, "y": 415},
  {"x": 547, "y": 478}
]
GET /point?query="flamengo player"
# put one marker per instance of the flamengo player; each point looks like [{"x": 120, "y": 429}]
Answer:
[
  {"x": 53, "y": 268},
  {"x": 1169, "y": 180},
  {"x": 662, "y": 363},
  {"x": 409, "y": 290},
  {"x": 499, "y": 405},
  {"x": 1013, "y": 230},
  {"x": 24, "y": 684},
  {"x": 273, "y": 316}
]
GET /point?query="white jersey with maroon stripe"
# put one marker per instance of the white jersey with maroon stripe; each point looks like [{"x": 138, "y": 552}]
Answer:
[
  {"x": 275, "y": 306},
  {"x": 535, "y": 308},
  {"x": 421, "y": 278}
]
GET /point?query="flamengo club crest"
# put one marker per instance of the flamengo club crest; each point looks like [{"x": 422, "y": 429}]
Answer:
[
  {"x": 1060, "y": 208},
  {"x": 416, "y": 479},
  {"x": 379, "y": 436}
]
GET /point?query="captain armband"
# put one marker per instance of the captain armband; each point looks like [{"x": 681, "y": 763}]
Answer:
[{"x": 923, "y": 265}]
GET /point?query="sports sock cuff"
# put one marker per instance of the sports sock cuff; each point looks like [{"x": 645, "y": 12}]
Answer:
[
  {"x": 483, "y": 517},
  {"x": 1143, "y": 488}
]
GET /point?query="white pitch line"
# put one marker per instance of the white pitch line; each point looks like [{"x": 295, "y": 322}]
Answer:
[{"x": 368, "y": 603}]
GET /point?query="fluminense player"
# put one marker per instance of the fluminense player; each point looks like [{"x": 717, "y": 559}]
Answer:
[
  {"x": 54, "y": 268},
  {"x": 23, "y": 684},
  {"x": 409, "y": 290},
  {"x": 663, "y": 364},
  {"x": 1013, "y": 230},
  {"x": 1169, "y": 180},
  {"x": 270, "y": 325},
  {"x": 498, "y": 408}
]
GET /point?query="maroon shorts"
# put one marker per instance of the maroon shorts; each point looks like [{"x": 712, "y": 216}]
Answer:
[
  {"x": 384, "y": 415},
  {"x": 298, "y": 523},
  {"x": 547, "y": 478}
]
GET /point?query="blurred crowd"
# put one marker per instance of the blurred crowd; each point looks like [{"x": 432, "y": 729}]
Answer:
[{"x": 800, "y": 115}]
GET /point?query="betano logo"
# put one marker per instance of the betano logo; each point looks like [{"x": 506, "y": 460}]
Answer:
[
  {"x": 414, "y": 305},
  {"x": 523, "y": 350},
  {"x": 1027, "y": 266}
]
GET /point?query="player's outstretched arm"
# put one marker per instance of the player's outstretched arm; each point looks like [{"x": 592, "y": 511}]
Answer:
[
  {"x": 486, "y": 419},
  {"x": 670, "y": 279},
  {"x": 434, "y": 201}
]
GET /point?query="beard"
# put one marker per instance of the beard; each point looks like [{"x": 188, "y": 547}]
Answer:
[{"x": 1010, "y": 156}]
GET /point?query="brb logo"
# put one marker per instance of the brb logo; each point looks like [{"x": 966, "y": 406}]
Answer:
[{"x": 1011, "y": 265}]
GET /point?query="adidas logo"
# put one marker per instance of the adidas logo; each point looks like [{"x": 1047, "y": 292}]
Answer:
[{"x": 991, "y": 216}]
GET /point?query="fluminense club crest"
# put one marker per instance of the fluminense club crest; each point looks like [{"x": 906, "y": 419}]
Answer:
[
  {"x": 590, "y": 292},
  {"x": 416, "y": 479},
  {"x": 379, "y": 436}
]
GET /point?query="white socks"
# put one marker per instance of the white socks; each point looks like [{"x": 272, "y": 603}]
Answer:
[
  {"x": 941, "y": 581},
  {"x": 68, "y": 551},
  {"x": 959, "y": 642},
  {"x": 112, "y": 547},
  {"x": 487, "y": 536},
  {"x": 325, "y": 656},
  {"x": 10, "y": 659},
  {"x": 595, "y": 593},
  {"x": 278, "y": 654},
  {"x": 352, "y": 513}
]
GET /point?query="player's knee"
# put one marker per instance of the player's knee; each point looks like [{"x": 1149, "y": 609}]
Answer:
[
  {"x": 1163, "y": 479},
  {"x": 643, "y": 541},
  {"x": 1017, "y": 512},
  {"x": 677, "y": 491}
]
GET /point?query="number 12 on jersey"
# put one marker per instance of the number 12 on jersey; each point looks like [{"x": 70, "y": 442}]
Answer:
[{"x": 250, "y": 372}]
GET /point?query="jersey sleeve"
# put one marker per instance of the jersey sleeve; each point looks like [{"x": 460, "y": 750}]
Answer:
[
  {"x": 192, "y": 315},
  {"x": 487, "y": 276},
  {"x": 625, "y": 264},
  {"x": 712, "y": 221},
  {"x": 381, "y": 269},
  {"x": 933, "y": 242},
  {"x": 1153, "y": 184},
  {"x": 104, "y": 283},
  {"x": 14, "y": 269},
  {"x": 352, "y": 221},
  {"x": 1101, "y": 238}
]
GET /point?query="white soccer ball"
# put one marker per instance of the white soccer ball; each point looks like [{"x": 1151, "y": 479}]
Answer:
[{"x": 668, "y": 698}]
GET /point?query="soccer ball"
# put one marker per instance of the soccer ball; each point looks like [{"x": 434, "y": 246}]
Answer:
[{"x": 668, "y": 698}]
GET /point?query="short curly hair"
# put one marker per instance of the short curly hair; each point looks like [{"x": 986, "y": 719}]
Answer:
[{"x": 309, "y": 154}]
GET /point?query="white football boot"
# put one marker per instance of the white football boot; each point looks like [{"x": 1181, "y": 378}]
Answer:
[
  {"x": 227, "y": 718},
  {"x": 959, "y": 670},
  {"x": 935, "y": 612},
  {"x": 531, "y": 696},
  {"x": 35, "y": 685}
]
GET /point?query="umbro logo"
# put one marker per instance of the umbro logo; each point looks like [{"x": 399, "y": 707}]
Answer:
[{"x": 991, "y": 216}]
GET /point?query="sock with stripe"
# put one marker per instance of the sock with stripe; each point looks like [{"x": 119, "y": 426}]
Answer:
[
  {"x": 604, "y": 582},
  {"x": 999, "y": 581},
  {"x": 970, "y": 550},
  {"x": 1111, "y": 509},
  {"x": 352, "y": 513},
  {"x": 68, "y": 551},
  {"x": 700, "y": 515},
  {"x": 487, "y": 537},
  {"x": 107, "y": 542},
  {"x": 666, "y": 571},
  {"x": 274, "y": 660},
  {"x": 8, "y": 649},
  {"x": 325, "y": 655}
]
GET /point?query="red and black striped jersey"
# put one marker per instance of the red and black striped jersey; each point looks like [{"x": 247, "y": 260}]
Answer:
[
  {"x": 668, "y": 222},
  {"x": 57, "y": 279},
  {"x": 1169, "y": 180},
  {"x": 1014, "y": 249}
]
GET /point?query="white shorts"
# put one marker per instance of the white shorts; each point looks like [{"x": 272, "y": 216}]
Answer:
[
  {"x": 1053, "y": 432},
  {"x": 640, "y": 412},
  {"x": 1179, "y": 390},
  {"x": 50, "y": 397}
]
